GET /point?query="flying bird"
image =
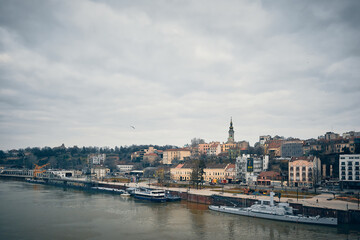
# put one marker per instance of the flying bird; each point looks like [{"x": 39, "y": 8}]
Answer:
[{"x": 132, "y": 127}]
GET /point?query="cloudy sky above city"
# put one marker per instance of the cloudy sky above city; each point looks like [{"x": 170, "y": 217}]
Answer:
[{"x": 84, "y": 72}]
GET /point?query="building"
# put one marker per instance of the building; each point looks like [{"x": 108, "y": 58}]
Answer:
[
  {"x": 291, "y": 149},
  {"x": 213, "y": 173},
  {"x": 124, "y": 167},
  {"x": 214, "y": 149},
  {"x": 248, "y": 167},
  {"x": 311, "y": 145},
  {"x": 330, "y": 136},
  {"x": 263, "y": 139},
  {"x": 204, "y": 147},
  {"x": 97, "y": 159},
  {"x": 351, "y": 134},
  {"x": 219, "y": 172},
  {"x": 100, "y": 172},
  {"x": 150, "y": 157},
  {"x": 349, "y": 174},
  {"x": 137, "y": 156},
  {"x": 304, "y": 171},
  {"x": 182, "y": 172},
  {"x": 273, "y": 147},
  {"x": 179, "y": 154},
  {"x": 270, "y": 178}
]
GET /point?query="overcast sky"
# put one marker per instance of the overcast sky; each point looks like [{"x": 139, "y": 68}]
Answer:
[{"x": 83, "y": 72}]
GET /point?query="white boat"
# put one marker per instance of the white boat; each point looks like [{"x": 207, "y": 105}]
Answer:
[
  {"x": 154, "y": 195},
  {"x": 281, "y": 211}
]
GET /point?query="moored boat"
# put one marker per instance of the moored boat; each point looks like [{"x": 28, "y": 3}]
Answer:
[
  {"x": 281, "y": 212},
  {"x": 154, "y": 195},
  {"x": 108, "y": 190},
  {"x": 171, "y": 198}
]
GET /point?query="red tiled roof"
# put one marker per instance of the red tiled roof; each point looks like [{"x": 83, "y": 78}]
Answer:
[
  {"x": 179, "y": 166},
  {"x": 230, "y": 166}
]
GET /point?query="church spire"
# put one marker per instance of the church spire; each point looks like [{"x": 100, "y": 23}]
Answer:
[{"x": 231, "y": 133}]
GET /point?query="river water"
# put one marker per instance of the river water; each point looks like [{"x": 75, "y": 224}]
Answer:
[{"x": 32, "y": 211}]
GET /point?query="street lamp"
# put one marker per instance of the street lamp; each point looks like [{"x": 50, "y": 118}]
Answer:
[{"x": 297, "y": 194}]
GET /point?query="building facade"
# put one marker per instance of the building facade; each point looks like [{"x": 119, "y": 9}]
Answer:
[
  {"x": 97, "y": 159},
  {"x": 170, "y": 155},
  {"x": 124, "y": 167},
  {"x": 291, "y": 149},
  {"x": 304, "y": 171},
  {"x": 349, "y": 167},
  {"x": 212, "y": 173},
  {"x": 248, "y": 167}
]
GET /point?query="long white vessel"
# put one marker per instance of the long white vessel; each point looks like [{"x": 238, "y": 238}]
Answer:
[
  {"x": 154, "y": 195},
  {"x": 267, "y": 209}
]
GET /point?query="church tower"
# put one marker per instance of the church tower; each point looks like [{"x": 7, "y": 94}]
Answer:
[{"x": 231, "y": 138}]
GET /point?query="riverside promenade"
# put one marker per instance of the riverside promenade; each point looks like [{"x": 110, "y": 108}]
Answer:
[{"x": 318, "y": 201}]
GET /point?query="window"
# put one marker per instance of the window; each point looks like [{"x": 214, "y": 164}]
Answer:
[
  {"x": 350, "y": 168},
  {"x": 357, "y": 163},
  {"x": 343, "y": 178},
  {"x": 350, "y": 163},
  {"x": 343, "y": 173},
  {"x": 303, "y": 169},
  {"x": 342, "y": 163},
  {"x": 342, "y": 158},
  {"x": 357, "y": 178},
  {"x": 342, "y": 168},
  {"x": 357, "y": 158},
  {"x": 350, "y": 177}
]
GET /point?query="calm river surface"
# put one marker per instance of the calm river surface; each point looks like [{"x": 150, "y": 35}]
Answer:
[{"x": 32, "y": 211}]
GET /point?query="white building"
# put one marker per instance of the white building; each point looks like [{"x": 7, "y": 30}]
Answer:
[
  {"x": 214, "y": 149},
  {"x": 97, "y": 159},
  {"x": 100, "y": 172},
  {"x": 349, "y": 172},
  {"x": 248, "y": 167},
  {"x": 124, "y": 168},
  {"x": 263, "y": 139}
]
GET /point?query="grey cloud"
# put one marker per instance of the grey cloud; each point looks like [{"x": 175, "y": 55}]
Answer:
[{"x": 86, "y": 70}]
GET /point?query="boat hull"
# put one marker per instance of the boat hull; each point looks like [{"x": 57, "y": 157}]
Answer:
[
  {"x": 149, "y": 198},
  {"x": 286, "y": 218}
]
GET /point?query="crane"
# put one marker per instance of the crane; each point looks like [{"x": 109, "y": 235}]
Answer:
[{"x": 38, "y": 168}]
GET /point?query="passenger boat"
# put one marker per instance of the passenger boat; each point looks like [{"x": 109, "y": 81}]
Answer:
[
  {"x": 281, "y": 212},
  {"x": 154, "y": 195}
]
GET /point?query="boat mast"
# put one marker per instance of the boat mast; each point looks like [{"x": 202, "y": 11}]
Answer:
[{"x": 272, "y": 199}]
